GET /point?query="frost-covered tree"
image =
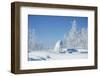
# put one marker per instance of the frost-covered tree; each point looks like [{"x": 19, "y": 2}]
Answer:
[
  {"x": 84, "y": 38},
  {"x": 33, "y": 44},
  {"x": 31, "y": 39},
  {"x": 71, "y": 38},
  {"x": 76, "y": 38}
]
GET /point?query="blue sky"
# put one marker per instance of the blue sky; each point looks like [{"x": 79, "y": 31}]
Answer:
[{"x": 50, "y": 29}]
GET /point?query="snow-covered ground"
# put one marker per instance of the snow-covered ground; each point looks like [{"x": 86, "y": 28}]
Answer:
[{"x": 50, "y": 55}]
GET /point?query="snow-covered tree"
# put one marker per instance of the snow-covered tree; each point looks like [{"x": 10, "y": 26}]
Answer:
[
  {"x": 84, "y": 38},
  {"x": 31, "y": 39},
  {"x": 71, "y": 38},
  {"x": 33, "y": 44},
  {"x": 76, "y": 38}
]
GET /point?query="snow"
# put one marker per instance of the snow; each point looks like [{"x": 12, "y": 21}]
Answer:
[
  {"x": 82, "y": 50},
  {"x": 73, "y": 46},
  {"x": 50, "y": 55}
]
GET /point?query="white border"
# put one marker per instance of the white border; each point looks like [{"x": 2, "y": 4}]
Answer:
[{"x": 24, "y": 64}]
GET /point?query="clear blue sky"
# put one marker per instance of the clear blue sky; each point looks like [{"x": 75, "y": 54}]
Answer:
[{"x": 52, "y": 28}]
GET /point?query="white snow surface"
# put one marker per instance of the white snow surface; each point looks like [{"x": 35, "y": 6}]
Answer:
[{"x": 50, "y": 55}]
